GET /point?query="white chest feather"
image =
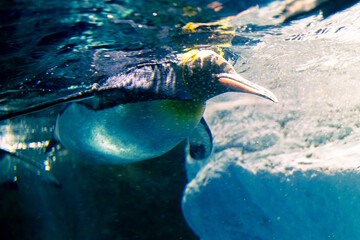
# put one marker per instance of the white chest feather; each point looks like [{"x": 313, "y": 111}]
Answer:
[{"x": 129, "y": 132}]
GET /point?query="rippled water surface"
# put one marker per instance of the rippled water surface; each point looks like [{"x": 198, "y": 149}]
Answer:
[{"x": 49, "y": 50}]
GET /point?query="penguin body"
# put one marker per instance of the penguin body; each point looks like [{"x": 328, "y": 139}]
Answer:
[
  {"x": 127, "y": 132},
  {"x": 144, "y": 110}
]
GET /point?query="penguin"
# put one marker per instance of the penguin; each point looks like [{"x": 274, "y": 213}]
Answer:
[{"x": 143, "y": 111}]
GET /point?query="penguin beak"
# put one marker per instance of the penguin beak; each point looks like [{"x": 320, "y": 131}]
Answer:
[{"x": 236, "y": 83}]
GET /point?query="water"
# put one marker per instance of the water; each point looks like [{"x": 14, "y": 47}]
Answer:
[{"x": 311, "y": 64}]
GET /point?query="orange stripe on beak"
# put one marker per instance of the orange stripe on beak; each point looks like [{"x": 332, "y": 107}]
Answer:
[{"x": 236, "y": 83}]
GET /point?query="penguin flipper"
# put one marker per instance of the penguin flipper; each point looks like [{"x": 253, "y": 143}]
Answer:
[
  {"x": 31, "y": 166},
  {"x": 200, "y": 141}
]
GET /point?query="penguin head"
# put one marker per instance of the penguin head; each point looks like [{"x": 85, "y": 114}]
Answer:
[{"x": 206, "y": 74}]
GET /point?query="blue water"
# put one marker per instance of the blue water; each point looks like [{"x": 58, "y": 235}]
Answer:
[{"x": 49, "y": 49}]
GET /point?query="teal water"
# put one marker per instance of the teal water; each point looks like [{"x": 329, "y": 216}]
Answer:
[{"x": 49, "y": 50}]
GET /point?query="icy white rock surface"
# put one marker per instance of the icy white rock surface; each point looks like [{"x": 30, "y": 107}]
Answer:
[
  {"x": 282, "y": 197},
  {"x": 288, "y": 170}
]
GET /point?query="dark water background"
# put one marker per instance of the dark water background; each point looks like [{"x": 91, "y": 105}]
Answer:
[
  {"x": 48, "y": 50},
  {"x": 60, "y": 37},
  {"x": 48, "y": 47}
]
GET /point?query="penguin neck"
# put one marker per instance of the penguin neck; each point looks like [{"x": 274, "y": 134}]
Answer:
[
  {"x": 201, "y": 88},
  {"x": 200, "y": 84}
]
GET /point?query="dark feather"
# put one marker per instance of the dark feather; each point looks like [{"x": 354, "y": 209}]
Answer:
[{"x": 126, "y": 77}]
